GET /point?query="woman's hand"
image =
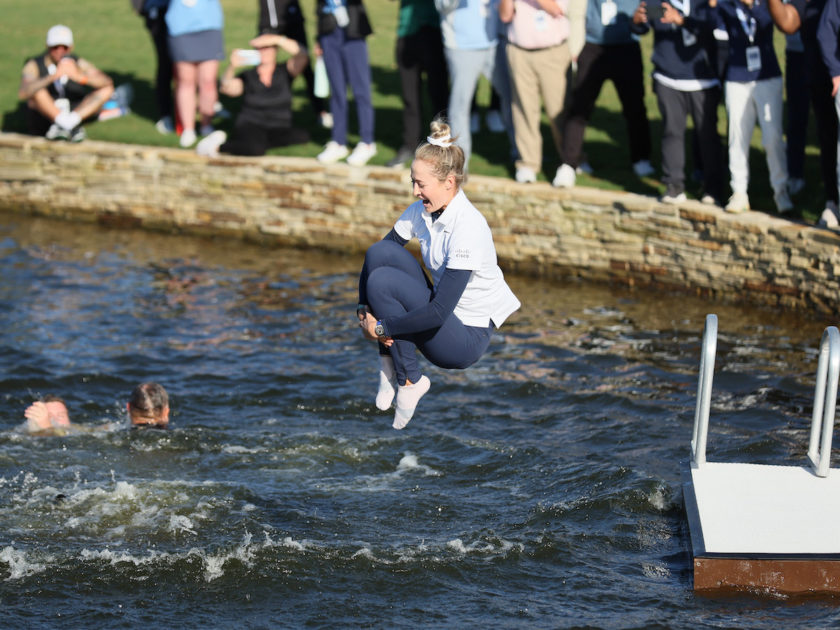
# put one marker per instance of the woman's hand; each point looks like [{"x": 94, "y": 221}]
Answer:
[
  {"x": 368, "y": 326},
  {"x": 640, "y": 14},
  {"x": 671, "y": 15}
]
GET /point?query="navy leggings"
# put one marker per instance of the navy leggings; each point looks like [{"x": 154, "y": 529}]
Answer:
[{"x": 394, "y": 283}]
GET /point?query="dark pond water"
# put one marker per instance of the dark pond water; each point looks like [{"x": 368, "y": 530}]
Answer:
[{"x": 538, "y": 489}]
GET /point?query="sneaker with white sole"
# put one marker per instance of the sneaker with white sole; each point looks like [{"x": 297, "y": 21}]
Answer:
[
  {"x": 830, "y": 217},
  {"x": 165, "y": 126},
  {"x": 78, "y": 134},
  {"x": 738, "y": 203},
  {"x": 564, "y": 177},
  {"x": 56, "y": 132},
  {"x": 362, "y": 152},
  {"x": 494, "y": 120},
  {"x": 782, "y": 201},
  {"x": 209, "y": 146},
  {"x": 333, "y": 152},
  {"x": 525, "y": 175},
  {"x": 673, "y": 197},
  {"x": 643, "y": 168},
  {"x": 187, "y": 138}
]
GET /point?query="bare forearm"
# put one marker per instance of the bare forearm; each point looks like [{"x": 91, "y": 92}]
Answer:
[{"x": 785, "y": 16}]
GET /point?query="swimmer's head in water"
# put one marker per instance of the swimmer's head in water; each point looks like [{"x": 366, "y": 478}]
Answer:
[{"x": 149, "y": 405}]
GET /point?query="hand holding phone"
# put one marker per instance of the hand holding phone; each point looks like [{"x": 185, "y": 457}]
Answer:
[
  {"x": 655, "y": 11},
  {"x": 248, "y": 57}
]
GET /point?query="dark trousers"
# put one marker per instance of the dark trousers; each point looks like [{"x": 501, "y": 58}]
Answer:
[
  {"x": 394, "y": 283},
  {"x": 622, "y": 64},
  {"x": 347, "y": 63},
  {"x": 798, "y": 108},
  {"x": 163, "y": 77},
  {"x": 826, "y": 117},
  {"x": 418, "y": 54},
  {"x": 675, "y": 107},
  {"x": 250, "y": 139}
]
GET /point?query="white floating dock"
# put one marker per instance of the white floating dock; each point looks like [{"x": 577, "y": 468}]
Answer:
[{"x": 760, "y": 527}]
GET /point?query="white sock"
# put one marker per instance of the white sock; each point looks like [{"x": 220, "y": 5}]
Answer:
[
  {"x": 407, "y": 398},
  {"x": 387, "y": 383},
  {"x": 68, "y": 120}
]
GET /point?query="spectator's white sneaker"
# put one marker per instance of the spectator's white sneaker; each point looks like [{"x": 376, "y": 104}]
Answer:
[
  {"x": 495, "y": 122},
  {"x": 738, "y": 203},
  {"x": 187, "y": 138},
  {"x": 57, "y": 133},
  {"x": 643, "y": 168},
  {"x": 783, "y": 202},
  {"x": 407, "y": 398},
  {"x": 525, "y": 175},
  {"x": 333, "y": 152},
  {"x": 673, "y": 197},
  {"x": 362, "y": 153},
  {"x": 209, "y": 146},
  {"x": 565, "y": 177},
  {"x": 165, "y": 126},
  {"x": 830, "y": 217}
]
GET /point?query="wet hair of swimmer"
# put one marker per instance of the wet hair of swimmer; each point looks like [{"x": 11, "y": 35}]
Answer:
[
  {"x": 445, "y": 160},
  {"x": 149, "y": 405}
]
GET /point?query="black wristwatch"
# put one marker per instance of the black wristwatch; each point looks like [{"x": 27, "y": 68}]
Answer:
[{"x": 379, "y": 330}]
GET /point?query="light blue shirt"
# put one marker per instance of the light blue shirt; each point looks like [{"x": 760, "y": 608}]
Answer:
[{"x": 194, "y": 16}]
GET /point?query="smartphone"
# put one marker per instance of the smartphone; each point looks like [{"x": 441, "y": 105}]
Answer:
[
  {"x": 654, "y": 11},
  {"x": 249, "y": 57}
]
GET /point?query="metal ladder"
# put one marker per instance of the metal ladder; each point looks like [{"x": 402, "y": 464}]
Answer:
[{"x": 825, "y": 398}]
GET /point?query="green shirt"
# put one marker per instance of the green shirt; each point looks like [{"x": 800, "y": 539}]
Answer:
[{"x": 415, "y": 14}]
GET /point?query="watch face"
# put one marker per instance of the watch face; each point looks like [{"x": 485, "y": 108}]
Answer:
[{"x": 379, "y": 330}]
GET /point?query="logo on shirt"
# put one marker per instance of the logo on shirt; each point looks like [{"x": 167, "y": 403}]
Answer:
[{"x": 461, "y": 253}]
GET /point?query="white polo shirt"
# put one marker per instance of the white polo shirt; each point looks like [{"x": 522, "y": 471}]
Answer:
[{"x": 461, "y": 239}]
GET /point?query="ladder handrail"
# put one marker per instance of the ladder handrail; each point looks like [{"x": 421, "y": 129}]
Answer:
[
  {"x": 825, "y": 401},
  {"x": 704, "y": 391}
]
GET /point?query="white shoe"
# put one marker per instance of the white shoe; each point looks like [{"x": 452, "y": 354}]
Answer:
[
  {"x": 708, "y": 200},
  {"x": 326, "y": 120},
  {"x": 525, "y": 175},
  {"x": 738, "y": 203},
  {"x": 333, "y": 152},
  {"x": 209, "y": 146},
  {"x": 475, "y": 123},
  {"x": 187, "y": 138},
  {"x": 165, "y": 126},
  {"x": 362, "y": 153},
  {"x": 795, "y": 184},
  {"x": 407, "y": 398},
  {"x": 494, "y": 121},
  {"x": 565, "y": 177},
  {"x": 830, "y": 217},
  {"x": 57, "y": 133},
  {"x": 643, "y": 168},
  {"x": 674, "y": 198},
  {"x": 783, "y": 202}
]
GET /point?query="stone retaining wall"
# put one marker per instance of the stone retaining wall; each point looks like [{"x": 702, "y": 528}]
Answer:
[{"x": 586, "y": 233}]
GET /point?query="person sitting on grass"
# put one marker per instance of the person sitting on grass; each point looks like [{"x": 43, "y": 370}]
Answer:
[
  {"x": 265, "y": 120},
  {"x": 61, "y": 90}
]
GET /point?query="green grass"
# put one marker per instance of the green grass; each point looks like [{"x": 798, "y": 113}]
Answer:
[{"x": 109, "y": 34}]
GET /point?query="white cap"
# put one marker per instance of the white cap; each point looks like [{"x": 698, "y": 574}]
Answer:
[{"x": 59, "y": 35}]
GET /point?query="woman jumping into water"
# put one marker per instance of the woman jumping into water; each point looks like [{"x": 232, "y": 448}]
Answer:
[{"x": 450, "y": 319}]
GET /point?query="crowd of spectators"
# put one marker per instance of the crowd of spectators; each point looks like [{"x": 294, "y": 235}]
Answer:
[{"x": 548, "y": 57}]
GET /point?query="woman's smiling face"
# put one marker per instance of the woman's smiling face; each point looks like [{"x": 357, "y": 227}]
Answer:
[{"x": 434, "y": 194}]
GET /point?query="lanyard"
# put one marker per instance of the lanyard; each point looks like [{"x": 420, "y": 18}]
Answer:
[{"x": 749, "y": 27}]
